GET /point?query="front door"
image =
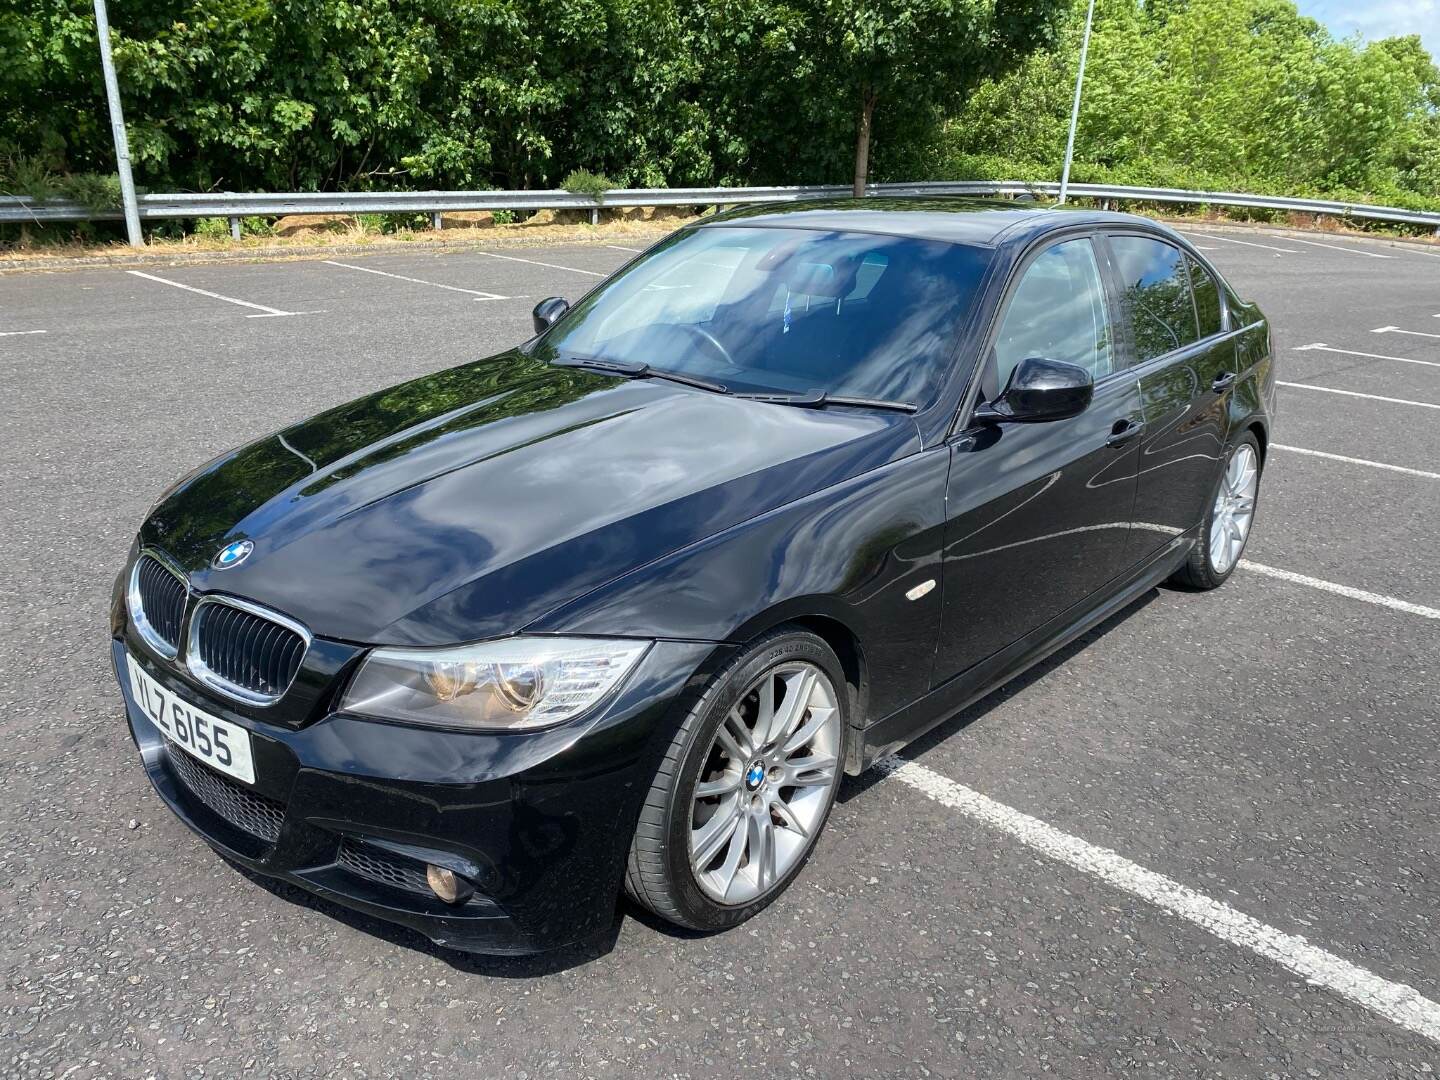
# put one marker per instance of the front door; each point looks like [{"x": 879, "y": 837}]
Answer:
[
  {"x": 1038, "y": 514},
  {"x": 1185, "y": 363}
]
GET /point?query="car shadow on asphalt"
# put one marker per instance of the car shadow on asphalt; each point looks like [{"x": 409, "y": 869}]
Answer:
[
  {"x": 854, "y": 786},
  {"x": 496, "y": 967},
  {"x": 572, "y": 956}
]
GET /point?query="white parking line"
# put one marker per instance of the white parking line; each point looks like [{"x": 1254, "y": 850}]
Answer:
[
  {"x": 477, "y": 293},
  {"x": 1396, "y": 1002},
  {"x": 1354, "y": 393},
  {"x": 1337, "y": 247},
  {"x": 618, "y": 247},
  {"x": 533, "y": 262},
  {"x": 1247, "y": 243},
  {"x": 1397, "y": 330},
  {"x": 269, "y": 312},
  {"x": 1343, "y": 590},
  {"x": 1355, "y": 461},
  {"x": 1318, "y": 347},
  {"x": 20, "y": 333}
]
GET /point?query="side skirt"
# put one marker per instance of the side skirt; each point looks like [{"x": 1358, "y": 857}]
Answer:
[{"x": 889, "y": 734}]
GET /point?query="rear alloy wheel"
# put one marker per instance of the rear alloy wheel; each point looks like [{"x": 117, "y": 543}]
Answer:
[
  {"x": 1227, "y": 526},
  {"x": 1234, "y": 509},
  {"x": 744, "y": 792}
]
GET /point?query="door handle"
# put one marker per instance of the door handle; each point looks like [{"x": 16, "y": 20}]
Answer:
[
  {"x": 1124, "y": 431},
  {"x": 1224, "y": 382}
]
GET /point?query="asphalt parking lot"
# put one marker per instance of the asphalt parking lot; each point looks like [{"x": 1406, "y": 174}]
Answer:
[{"x": 1200, "y": 842}]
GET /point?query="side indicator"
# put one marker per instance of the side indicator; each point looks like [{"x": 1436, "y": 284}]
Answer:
[{"x": 923, "y": 589}]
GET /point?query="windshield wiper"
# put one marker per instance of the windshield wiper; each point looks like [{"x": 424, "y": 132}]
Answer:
[
  {"x": 628, "y": 370},
  {"x": 818, "y": 399}
]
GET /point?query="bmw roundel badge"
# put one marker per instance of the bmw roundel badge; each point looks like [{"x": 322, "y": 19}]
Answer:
[{"x": 233, "y": 554}]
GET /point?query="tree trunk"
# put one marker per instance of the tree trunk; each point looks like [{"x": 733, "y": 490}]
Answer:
[{"x": 862, "y": 143}]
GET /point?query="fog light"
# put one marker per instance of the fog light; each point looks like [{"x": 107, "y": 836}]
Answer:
[{"x": 448, "y": 885}]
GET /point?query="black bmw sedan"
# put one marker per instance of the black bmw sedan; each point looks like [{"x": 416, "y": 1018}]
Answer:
[{"x": 616, "y": 609}]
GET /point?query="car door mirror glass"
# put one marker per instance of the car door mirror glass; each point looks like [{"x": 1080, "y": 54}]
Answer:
[
  {"x": 548, "y": 311},
  {"x": 1040, "y": 390}
]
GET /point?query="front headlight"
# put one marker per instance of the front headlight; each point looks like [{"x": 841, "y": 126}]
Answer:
[{"x": 509, "y": 685}]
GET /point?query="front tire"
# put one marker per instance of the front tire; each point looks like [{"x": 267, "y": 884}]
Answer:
[
  {"x": 1227, "y": 524},
  {"x": 745, "y": 786}
]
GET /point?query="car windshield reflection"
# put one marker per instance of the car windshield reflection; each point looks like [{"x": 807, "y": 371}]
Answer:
[{"x": 763, "y": 309}]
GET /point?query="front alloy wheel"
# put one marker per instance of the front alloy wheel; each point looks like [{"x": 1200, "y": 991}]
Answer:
[
  {"x": 745, "y": 787},
  {"x": 766, "y": 783}
]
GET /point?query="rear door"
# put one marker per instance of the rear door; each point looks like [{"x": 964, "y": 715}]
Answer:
[
  {"x": 1038, "y": 513},
  {"x": 1182, "y": 356}
]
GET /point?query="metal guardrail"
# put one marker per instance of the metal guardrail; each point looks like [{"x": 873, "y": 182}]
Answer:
[{"x": 436, "y": 203}]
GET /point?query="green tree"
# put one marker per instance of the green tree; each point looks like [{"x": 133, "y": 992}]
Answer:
[
  {"x": 1210, "y": 93},
  {"x": 335, "y": 94},
  {"x": 808, "y": 68}
]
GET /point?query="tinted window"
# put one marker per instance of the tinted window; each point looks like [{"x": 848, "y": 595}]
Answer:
[
  {"x": 786, "y": 309},
  {"x": 1207, "y": 298},
  {"x": 1057, "y": 312},
  {"x": 1158, "y": 309}
]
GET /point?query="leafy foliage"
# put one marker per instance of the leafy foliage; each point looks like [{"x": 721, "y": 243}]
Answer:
[
  {"x": 369, "y": 94},
  {"x": 1217, "y": 94},
  {"x": 323, "y": 94}
]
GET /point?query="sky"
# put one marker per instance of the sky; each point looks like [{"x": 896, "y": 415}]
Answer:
[{"x": 1375, "y": 19}]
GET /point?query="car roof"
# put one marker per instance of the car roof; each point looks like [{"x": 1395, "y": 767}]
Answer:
[{"x": 951, "y": 219}]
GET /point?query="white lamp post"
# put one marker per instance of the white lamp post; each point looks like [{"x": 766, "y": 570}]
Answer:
[
  {"x": 1075, "y": 108},
  {"x": 117, "y": 127}
]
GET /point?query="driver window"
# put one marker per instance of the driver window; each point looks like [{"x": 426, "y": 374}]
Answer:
[{"x": 1058, "y": 312}]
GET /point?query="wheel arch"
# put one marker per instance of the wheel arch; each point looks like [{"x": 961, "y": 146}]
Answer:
[
  {"x": 1262, "y": 437},
  {"x": 843, "y": 639}
]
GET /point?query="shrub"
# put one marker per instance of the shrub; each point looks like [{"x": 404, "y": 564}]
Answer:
[
  {"x": 94, "y": 191},
  {"x": 212, "y": 228},
  {"x": 584, "y": 182},
  {"x": 28, "y": 176}
]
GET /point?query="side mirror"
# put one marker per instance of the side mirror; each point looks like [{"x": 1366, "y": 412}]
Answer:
[
  {"x": 1040, "y": 390},
  {"x": 548, "y": 311}
]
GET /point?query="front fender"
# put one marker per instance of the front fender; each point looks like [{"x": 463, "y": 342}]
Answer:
[{"x": 850, "y": 553}]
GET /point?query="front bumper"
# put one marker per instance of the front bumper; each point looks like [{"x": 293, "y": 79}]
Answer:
[{"x": 352, "y": 809}]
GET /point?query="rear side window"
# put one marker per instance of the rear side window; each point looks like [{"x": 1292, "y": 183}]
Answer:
[
  {"x": 1207, "y": 298},
  {"x": 1058, "y": 313},
  {"x": 1156, "y": 290}
]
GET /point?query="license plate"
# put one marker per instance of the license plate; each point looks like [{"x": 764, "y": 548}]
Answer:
[{"x": 218, "y": 743}]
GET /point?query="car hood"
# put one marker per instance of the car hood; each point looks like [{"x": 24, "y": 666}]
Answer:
[{"x": 466, "y": 504}]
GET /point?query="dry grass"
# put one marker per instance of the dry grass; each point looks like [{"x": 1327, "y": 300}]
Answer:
[
  {"x": 349, "y": 234},
  {"x": 1326, "y": 223}
]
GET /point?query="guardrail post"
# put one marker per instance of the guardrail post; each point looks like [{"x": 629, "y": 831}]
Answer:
[
  {"x": 437, "y": 220},
  {"x": 234, "y": 228},
  {"x": 594, "y": 215}
]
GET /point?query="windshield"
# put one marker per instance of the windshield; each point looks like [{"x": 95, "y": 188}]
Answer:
[{"x": 784, "y": 310}]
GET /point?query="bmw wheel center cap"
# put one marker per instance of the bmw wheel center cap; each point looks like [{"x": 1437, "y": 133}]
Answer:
[
  {"x": 232, "y": 555},
  {"x": 754, "y": 776}
]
